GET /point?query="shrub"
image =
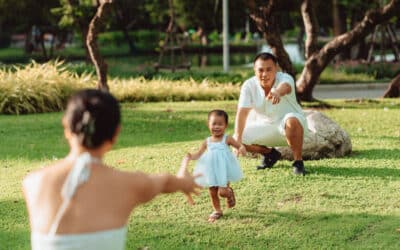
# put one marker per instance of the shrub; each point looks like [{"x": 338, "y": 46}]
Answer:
[
  {"x": 37, "y": 88},
  {"x": 114, "y": 38},
  {"x": 124, "y": 70},
  {"x": 214, "y": 37},
  {"x": 378, "y": 70},
  {"x": 330, "y": 75},
  {"x": 142, "y": 38},
  {"x": 140, "y": 89},
  {"x": 147, "y": 38}
]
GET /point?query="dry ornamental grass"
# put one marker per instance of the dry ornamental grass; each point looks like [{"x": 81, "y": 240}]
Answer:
[{"x": 38, "y": 88}]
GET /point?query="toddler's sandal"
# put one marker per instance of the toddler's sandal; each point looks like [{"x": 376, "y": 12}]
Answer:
[{"x": 214, "y": 216}]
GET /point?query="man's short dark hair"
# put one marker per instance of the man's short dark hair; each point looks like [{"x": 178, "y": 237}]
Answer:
[{"x": 265, "y": 56}]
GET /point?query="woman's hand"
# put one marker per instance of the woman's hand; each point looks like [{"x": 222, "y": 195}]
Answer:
[{"x": 189, "y": 186}]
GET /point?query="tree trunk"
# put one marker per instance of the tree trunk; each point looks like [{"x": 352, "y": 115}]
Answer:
[
  {"x": 362, "y": 52},
  {"x": 394, "y": 88},
  {"x": 339, "y": 25},
  {"x": 311, "y": 28},
  {"x": 43, "y": 46},
  {"x": 28, "y": 43},
  {"x": 339, "y": 18},
  {"x": 122, "y": 24},
  {"x": 300, "y": 42},
  {"x": 91, "y": 42},
  {"x": 265, "y": 19},
  {"x": 201, "y": 33},
  {"x": 317, "y": 62}
]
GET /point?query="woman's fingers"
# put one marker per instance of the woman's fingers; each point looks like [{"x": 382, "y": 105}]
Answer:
[
  {"x": 197, "y": 175},
  {"x": 183, "y": 168},
  {"x": 190, "y": 199}
]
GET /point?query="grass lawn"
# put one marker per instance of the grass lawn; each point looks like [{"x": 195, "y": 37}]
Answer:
[{"x": 347, "y": 203}]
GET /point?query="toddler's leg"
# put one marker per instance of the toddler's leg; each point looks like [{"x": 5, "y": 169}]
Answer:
[
  {"x": 213, "y": 191},
  {"x": 224, "y": 192},
  {"x": 227, "y": 192}
]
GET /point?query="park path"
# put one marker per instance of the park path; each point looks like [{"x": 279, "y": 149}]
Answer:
[{"x": 349, "y": 91}]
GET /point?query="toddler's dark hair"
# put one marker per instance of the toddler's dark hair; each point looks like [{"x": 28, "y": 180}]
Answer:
[
  {"x": 265, "y": 56},
  {"x": 94, "y": 116},
  {"x": 218, "y": 112}
]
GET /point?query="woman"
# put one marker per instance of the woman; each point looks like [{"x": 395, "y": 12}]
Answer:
[{"x": 80, "y": 203}]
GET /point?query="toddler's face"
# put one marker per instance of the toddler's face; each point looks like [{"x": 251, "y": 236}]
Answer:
[{"x": 217, "y": 125}]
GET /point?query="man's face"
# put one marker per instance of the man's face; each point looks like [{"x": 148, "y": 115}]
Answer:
[{"x": 265, "y": 70}]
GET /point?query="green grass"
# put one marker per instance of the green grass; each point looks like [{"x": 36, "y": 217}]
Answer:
[{"x": 346, "y": 203}]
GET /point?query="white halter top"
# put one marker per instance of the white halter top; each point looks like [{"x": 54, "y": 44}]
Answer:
[{"x": 99, "y": 240}]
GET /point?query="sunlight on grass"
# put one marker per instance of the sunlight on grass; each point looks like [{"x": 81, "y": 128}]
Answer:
[{"x": 345, "y": 203}]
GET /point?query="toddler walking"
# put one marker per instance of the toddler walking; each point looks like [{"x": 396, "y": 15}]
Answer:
[{"x": 218, "y": 166}]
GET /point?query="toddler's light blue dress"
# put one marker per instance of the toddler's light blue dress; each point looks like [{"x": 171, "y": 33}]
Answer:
[{"x": 218, "y": 165}]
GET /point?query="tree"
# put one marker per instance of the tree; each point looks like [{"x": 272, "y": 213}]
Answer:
[
  {"x": 394, "y": 88},
  {"x": 316, "y": 59},
  {"x": 76, "y": 13},
  {"x": 265, "y": 17},
  {"x": 124, "y": 22},
  {"x": 193, "y": 14},
  {"x": 17, "y": 17},
  {"x": 91, "y": 42},
  {"x": 340, "y": 24}
]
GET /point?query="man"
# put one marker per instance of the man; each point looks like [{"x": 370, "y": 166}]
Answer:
[{"x": 268, "y": 114}]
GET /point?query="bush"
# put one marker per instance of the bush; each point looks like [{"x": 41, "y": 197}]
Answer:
[
  {"x": 330, "y": 75},
  {"x": 140, "y": 89},
  {"x": 142, "y": 38},
  {"x": 377, "y": 70},
  {"x": 216, "y": 77},
  {"x": 214, "y": 37},
  {"x": 148, "y": 73},
  {"x": 147, "y": 38},
  {"x": 37, "y": 88},
  {"x": 114, "y": 38}
]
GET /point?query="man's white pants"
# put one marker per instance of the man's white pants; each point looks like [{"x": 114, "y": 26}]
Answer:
[{"x": 261, "y": 131}]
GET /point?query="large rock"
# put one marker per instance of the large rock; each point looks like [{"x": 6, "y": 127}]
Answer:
[{"x": 325, "y": 139}]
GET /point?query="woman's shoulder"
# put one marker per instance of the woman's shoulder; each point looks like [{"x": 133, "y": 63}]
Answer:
[
  {"x": 44, "y": 177},
  {"x": 38, "y": 175},
  {"x": 32, "y": 180},
  {"x": 33, "y": 183}
]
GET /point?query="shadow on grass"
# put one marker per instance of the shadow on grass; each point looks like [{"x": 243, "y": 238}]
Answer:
[
  {"x": 40, "y": 136},
  {"x": 251, "y": 229},
  {"x": 356, "y": 172},
  {"x": 240, "y": 228},
  {"x": 377, "y": 153}
]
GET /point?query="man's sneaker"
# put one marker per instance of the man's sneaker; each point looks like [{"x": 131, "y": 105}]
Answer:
[
  {"x": 298, "y": 168},
  {"x": 270, "y": 159}
]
